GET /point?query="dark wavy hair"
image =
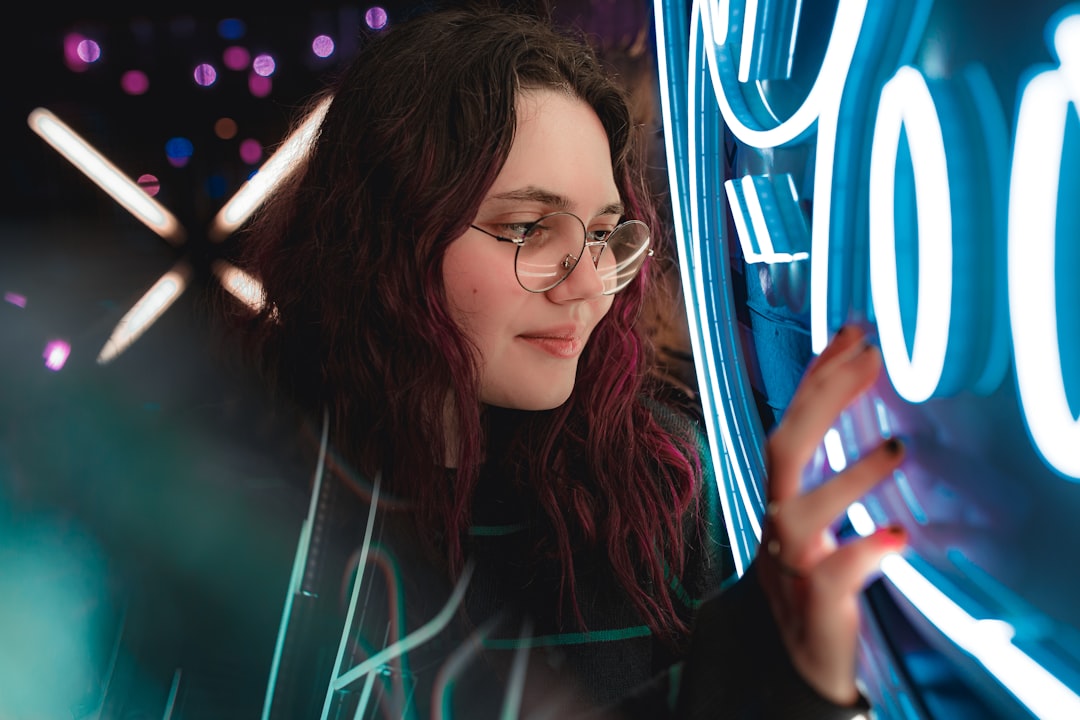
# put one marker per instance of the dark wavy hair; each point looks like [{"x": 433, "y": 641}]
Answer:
[{"x": 349, "y": 252}]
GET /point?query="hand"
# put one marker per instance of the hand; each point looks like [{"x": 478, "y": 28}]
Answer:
[{"x": 812, "y": 584}]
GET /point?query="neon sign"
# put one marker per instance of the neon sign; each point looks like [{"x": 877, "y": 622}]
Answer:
[
  {"x": 943, "y": 357},
  {"x": 1038, "y": 214},
  {"x": 850, "y": 144}
]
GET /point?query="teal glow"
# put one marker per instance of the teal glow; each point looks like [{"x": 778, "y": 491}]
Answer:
[
  {"x": 944, "y": 334},
  {"x": 908, "y": 107},
  {"x": 987, "y": 640},
  {"x": 733, "y": 425},
  {"x": 922, "y": 253},
  {"x": 741, "y": 106},
  {"x": 1046, "y": 100},
  {"x": 777, "y": 231},
  {"x": 838, "y": 294}
]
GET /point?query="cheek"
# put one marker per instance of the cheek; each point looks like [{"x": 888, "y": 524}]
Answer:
[
  {"x": 463, "y": 287},
  {"x": 470, "y": 297},
  {"x": 475, "y": 298}
]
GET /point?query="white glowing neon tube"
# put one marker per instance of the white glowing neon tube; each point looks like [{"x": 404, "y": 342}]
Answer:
[
  {"x": 240, "y": 284},
  {"x": 239, "y": 208},
  {"x": 105, "y": 175},
  {"x": 168, "y": 288},
  {"x": 989, "y": 641}
]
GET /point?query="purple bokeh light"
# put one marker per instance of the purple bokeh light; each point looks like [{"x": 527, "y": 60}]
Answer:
[
  {"x": 323, "y": 46},
  {"x": 88, "y": 50},
  {"x": 15, "y": 299},
  {"x": 375, "y": 18},
  {"x": 251, "y": 151},
  {"x": 71, "y": 52},
  {"x": 56, "y": 354},
  {"x": 264, "y": 65},
  {"x": 149, "y": 183},
  {"x": 134, "y": 82},
  {"x": 236, "y": 57},
  {"x": 259, "y": 86},
  {"x": 205, "y": 74}
]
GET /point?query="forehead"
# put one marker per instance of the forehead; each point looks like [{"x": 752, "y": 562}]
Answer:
[{"x": 560, "y": 147}]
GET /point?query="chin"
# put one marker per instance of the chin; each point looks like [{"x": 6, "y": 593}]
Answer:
[{"x": 531, "y": 402}]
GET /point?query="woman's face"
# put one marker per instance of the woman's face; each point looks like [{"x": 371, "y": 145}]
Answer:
[{"x": 530, "y": 343}]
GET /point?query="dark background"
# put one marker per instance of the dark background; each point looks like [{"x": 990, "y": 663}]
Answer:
[{"x": 150, "y": 507}]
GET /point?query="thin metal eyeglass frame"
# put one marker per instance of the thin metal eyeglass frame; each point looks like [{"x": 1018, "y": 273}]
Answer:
[{"x": 586, "y": 244}]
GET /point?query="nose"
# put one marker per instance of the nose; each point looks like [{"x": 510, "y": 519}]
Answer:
[
  {"x": 596, "y": 248},
  {"x": 584, "y": 281}
]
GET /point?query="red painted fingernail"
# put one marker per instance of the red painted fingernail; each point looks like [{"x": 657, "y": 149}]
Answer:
[{"x": 895, "y": 535}]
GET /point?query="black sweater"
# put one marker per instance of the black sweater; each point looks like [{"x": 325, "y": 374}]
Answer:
[{"x": 499, "y": 643}]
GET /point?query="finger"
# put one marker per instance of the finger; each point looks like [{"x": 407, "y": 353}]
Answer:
[
  {"x": 846, "y": 571},
  {"x": 816, "y": 405},
  {"x": 809, "y": 514},
  {"x": 831, "y": 620},
  {"x": 845, "y": 338}
]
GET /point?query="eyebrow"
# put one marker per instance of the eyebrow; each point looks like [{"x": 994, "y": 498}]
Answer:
[{"x": 551, "y": 199}]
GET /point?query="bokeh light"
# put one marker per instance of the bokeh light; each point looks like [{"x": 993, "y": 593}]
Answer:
[
  {"x": 56, "y": 354},
  {"x": 134, "y": 82},
  {"x": 15, "y": 299},
  {"x": 231, "y": 28},
  {"x": 264, "y": 65},
  {"x": 179, "y": 151},
  {"x": 375, "y": 18},
  {"x": 88, "y": 50},
  {"x": 323, "y": 46},
  {"x": 149, "y": 183},
  {"x": 72, "y": 59},
  {"x": 205, "y": 74},
  {"x": 225, "y": 128},
  {"x": 251, "y": 151},
  {"x": 258, "y": 85},
  {"x": 236, "y": 57}
]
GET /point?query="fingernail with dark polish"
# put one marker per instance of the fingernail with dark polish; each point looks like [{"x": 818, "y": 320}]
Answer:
[{"x": 894, "y": 446}]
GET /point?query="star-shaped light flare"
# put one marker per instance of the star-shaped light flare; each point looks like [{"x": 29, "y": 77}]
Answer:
[{"x": 171, "y": 285}]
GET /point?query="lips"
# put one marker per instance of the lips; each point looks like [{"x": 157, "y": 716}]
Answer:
[{"x": 560, "y": 343}]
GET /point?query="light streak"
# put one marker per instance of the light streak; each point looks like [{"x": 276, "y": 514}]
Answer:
[
  {"x": 168, "y": 288},
  {"x": 240, "y": 284},
  {"x": 252, "y": 194},
  {"x": 105, "y": 175},
  {"x": 989, "y": 641}
]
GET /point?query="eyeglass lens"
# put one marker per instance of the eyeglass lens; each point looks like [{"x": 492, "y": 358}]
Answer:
[{"x": 553, "y": 245}]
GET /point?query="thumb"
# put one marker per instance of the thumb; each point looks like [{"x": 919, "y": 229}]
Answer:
[{"x": 848, "y": 569}]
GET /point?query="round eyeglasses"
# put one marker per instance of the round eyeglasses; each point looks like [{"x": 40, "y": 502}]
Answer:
[{"x": 548, "y": 250}]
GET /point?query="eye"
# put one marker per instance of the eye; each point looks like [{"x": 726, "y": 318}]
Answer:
[
  {"x": 545, "y": 230},
  {"x": 515, "y": 230},
  {"x": 600, "y": 235}
]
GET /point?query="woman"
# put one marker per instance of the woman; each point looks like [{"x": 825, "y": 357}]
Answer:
[{"x": 453, "y": 283}]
